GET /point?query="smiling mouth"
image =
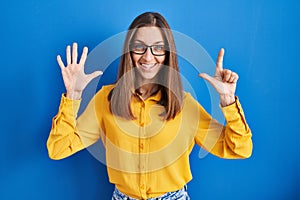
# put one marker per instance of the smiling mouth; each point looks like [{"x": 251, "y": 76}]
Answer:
[{"x": 148, "y": 67}]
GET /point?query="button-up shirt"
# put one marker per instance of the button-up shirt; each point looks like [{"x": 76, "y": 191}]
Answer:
[{"x": 148, "y": 156}]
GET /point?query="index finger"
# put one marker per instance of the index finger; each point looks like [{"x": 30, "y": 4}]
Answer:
[
  {"x": 220, "y": 59},
  {"x": 83, "y": 56}
]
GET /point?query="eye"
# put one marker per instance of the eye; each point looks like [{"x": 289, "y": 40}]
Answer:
[
  {"x": 159, "y": 48},
  {"x": 139, "y": 47}
]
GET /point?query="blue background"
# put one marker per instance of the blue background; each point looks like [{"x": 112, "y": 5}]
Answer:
[{"x": 261, "y": 38}]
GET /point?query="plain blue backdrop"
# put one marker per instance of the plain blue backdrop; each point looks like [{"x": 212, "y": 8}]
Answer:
[{"x": 261, "y": 38}]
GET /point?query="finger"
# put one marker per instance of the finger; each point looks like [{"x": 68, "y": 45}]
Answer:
[
  {"x": 236, "y": 77},
  {"x": 83, "y": 56},
  {"x": 60, "y": 62},
  {"x": 74, "y": 53},
  {"x": 94, "y": 75},
  {"x": 226, "y": 75},
  {"x": 220, "y": 59},
  {"x": 68, "y": 53},
  {"x": 231, "y": 79},
  {"x": 206, "y": 77},
  {"x": 235, "y": 80}
]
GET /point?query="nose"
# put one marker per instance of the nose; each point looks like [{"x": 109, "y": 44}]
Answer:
[{"x": 148, "y": 56}]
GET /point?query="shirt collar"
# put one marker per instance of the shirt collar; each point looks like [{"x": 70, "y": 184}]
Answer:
[{"x": 155, "y": 97}]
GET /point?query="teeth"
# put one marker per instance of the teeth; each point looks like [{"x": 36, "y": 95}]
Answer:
[{"x": 148, "y": 65}]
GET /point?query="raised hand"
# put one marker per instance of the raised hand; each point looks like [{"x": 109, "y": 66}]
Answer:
[
  {"x": 75, "y": 79},
  {"x": 224, "y": 81}
]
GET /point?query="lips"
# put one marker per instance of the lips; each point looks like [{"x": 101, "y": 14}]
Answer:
[{"x": 147, "y": 66}]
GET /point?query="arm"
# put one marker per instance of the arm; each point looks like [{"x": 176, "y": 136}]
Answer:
[
  {"x": 230, "y": 141},
  {"x": 68, "y": 135},
  {"x": 233, "y": 140},
  {"x": 64, "y": 138}
]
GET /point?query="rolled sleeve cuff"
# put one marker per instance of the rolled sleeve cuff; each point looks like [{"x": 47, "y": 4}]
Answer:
[
  {"x": 234, "y": 111},
  {"x": 69, "y": 106}
]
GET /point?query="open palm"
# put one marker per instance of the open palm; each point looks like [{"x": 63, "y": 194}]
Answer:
[{"x": 75, "y": 80}]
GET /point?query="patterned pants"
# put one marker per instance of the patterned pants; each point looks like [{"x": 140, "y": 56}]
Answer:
[{"x": 177, "y": 195}]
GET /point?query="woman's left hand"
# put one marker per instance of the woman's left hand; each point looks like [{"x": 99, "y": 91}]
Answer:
[{"x": 224, "y": 81}]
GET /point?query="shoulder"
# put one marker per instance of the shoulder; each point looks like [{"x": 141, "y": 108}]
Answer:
[
  {"x": 107, "y": 88},
  {"x": 190, "y": 102},
  {"x": 104, "y": 91},
  {"x": 188, "y": 98}
]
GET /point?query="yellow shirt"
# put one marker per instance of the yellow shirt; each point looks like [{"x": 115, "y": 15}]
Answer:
[{"x": 148, "y": 156}]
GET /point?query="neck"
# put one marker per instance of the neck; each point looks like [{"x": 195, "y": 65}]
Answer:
[{"x": 147, "y": 90}]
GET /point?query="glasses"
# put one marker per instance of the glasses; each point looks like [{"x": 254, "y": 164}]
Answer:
[{"x": 156, "y": 50}]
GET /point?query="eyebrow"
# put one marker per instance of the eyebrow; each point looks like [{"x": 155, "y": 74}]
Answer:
[{"x": 151, "y": 44}]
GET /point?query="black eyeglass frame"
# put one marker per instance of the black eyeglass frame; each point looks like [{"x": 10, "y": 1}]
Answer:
[{"x": 147, "y": 47}]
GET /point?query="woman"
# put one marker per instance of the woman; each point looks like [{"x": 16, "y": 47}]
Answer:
[{"x": 146, "y": 122}]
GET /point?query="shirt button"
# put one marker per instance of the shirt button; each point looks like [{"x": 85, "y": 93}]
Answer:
[
  {"x": 141, "y": 146},
  {"x": 142, "y": 186},
  {"x": 142, "y": 124},
  {"x": 141, "y": 166}
]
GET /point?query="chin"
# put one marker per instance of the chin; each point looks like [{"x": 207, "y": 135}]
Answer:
[{"x": 147, "y": 76}]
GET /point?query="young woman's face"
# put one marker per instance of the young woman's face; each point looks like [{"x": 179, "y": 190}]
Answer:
[{"x": 148, "y": 64}]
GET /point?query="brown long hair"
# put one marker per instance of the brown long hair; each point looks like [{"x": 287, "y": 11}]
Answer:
[{"x": 169, "y": 78}]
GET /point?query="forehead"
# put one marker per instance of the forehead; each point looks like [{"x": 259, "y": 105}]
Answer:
[{"x": 149, "y": 35}]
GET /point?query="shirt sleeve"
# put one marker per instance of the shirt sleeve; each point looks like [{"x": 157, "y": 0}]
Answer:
[
  {"x": 230, "y": 141},
  {"x": 69, "y": 135}
]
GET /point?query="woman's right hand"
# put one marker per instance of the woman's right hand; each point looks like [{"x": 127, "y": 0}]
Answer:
[{"x": 75, "y": 79}]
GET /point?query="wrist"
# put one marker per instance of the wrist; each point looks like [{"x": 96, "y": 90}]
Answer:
[
  {"x": 226, "y": 100},
  {"x": 75, "y": 95}
]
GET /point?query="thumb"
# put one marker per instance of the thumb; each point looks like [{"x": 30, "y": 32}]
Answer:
[
  {"x": 206, "y": 77},
  {"x": 218, "y": 85},
  {"x": 94, "y": 75}
]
